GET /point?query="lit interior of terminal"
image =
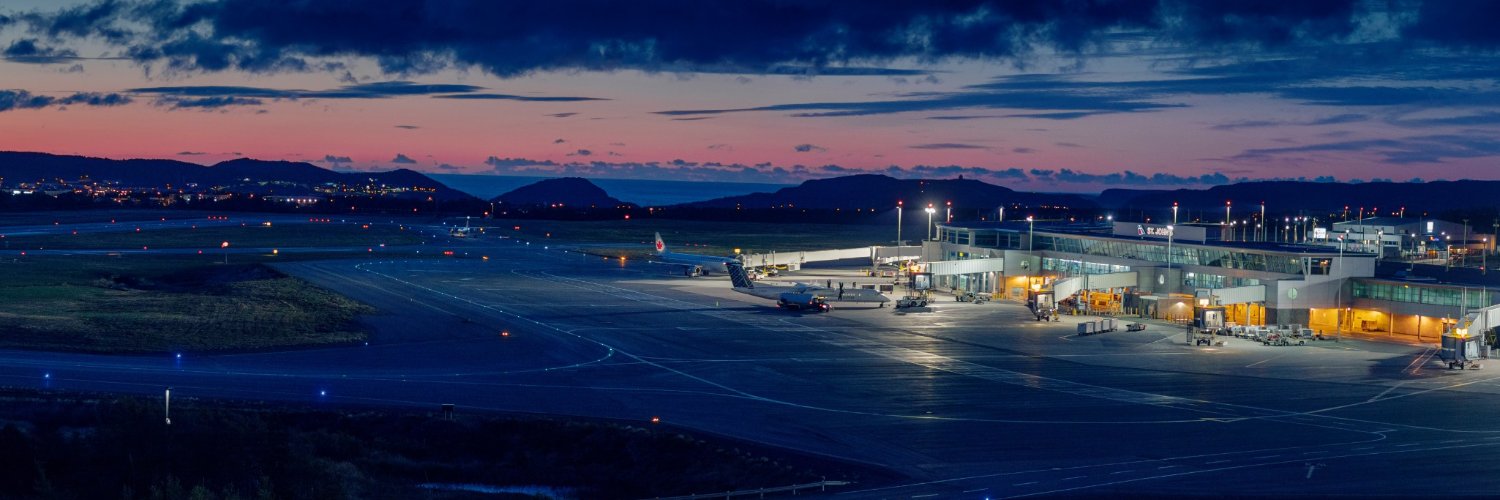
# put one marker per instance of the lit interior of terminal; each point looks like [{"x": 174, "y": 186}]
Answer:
[{"x": 1348, "y": 279}]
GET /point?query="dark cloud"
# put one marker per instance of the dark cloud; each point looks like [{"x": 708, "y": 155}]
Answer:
[
  {"x": 692, "y": 118},
  {"x": 581, "y": 152},
  {"x": 1068, "y": 145},
  {"x": 450, "y": 168},
  {"x": 191, "y": 153},
  {"x": 807, "y": 148},
  {"x": 336, "y": 159},
  {"x": 375, "y": 90},
  {"x": 26, "y": 50},
  {"x": 561, "y": 115},
  {"x": 1328, "y": 120},
  {"x": 408, "y": 127},
  {"x": 206, "y": 102},
  {"x": 403, "y": 159},
  {"x": 559, "y": 141},
  {"x": 1022, "y": 151},
  {"x": 752, "y": 37},
  {"x": 946, "y": 145},
  {"x": 1416, "y": 149},
  {"x": 509, "y": 97},
  {"x": 21, "y": 99}
]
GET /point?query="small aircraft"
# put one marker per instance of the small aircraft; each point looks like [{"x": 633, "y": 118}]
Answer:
[
  {"x": 802, "y": 297},
  {"x": 696, "y": 264}
]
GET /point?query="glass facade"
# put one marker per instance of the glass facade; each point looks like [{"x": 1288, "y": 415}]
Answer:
[
  {"x": 987, "y": 238},
  {"x": 1205, "y": 280},
  {"x": 1068, "y": 267},
  {"x": 1423, "y": 294},
  {"x": 1181, "y": 254}
]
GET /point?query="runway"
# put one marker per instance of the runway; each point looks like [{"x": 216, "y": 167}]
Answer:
[{"x": 969, "y": 401}]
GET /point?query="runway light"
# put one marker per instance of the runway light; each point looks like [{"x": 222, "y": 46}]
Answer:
[
  {"x": 323, "y": 392},
  {"x": 655, "y": 420},
  {"x": 179, "y": 355},
  {"x": 47, "y": 375},
  {"x": 505, "y": 333}
]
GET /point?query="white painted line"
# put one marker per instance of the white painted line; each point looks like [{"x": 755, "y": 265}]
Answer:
[
  {"x": 929, "y": 495},
  {"x": 1363, "y": 448},
  {"x": 1267, "y": 456},
  {"x": 1313, "y": 452},
  {"x": 1168, "y": 467},
  {"x": 1024, "y": 484},
  {"x": 1383, "y": 393},
  {"x": 1407, "y": 444},
  {"x": 1121, "y": 472},
  {"x": 975, "y": 490},
  {"x": 1216, "y": 462}
]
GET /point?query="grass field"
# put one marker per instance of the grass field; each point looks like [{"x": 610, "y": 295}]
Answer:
[
  {"x": 706, "y": 237},
  {"x": 249, "y": 235},
  {"x": 159, "y": 304}
]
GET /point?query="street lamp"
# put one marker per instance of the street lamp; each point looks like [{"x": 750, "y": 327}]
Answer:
[
  {"x": 1174, "y": 213},
  {"x": 930, "y": 211},
  {"x": 1171, "y": 231},
  {"x": 898, "y": 223},
  {"x": 949, "y": 218},
  {"x": 1226, "y": 217},
  {"x": 225, "y": 247}
]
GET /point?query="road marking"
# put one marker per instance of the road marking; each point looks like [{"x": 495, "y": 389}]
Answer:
[
  {"x": 1168, "y": 466},
  {"x": 1024, "y": 484},
  {"x": 1267, "y": 456},
  {"x": 1363, "y": 448},
  {"x": 1122, "y": 472},
  {"x": 1216, "y": 462},
  {"x": 975, "y": 490},
  {"x": 1313, "y": 452},
  {"x": 1383, "y": 393},
  {"x": 929, "y": 495},
  {"x": 1407, "y": 444},
  {"x": 1072, "y": 478},
  {"x": 1416, "y": 364}
]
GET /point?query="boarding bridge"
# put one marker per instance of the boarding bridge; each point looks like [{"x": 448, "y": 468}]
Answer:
[
  {"x": 965, "y": 266},
  {"x": 1235, "y": 295},
  {"x": 890, "y": 255},
  {"x": 795, "y": 260},
  {"x": 1067, "y": 287},
  {"x": 1478, "y": 323}
]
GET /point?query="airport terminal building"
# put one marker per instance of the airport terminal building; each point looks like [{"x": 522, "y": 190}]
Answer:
[{"x": 1168, "y": 271}]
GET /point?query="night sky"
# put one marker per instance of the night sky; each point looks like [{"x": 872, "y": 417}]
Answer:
[{"x": 1037, "y": 95}]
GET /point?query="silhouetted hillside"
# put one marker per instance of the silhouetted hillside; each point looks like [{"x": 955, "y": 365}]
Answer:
[
  {"x": 567, "y": 191},
  {"x": 880, "y": 192},
  {"x": 241, "y": 175}
]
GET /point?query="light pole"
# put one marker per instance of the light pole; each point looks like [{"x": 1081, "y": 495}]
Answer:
[
  {"x": 167, "y": 406},
  {"x": 1262, "y": 222},
  {"x": 930, "y": 211},
  {"x": 898, "y": 223},
  {"x": 949, "y": 218},
  {"x": 1484, "y": 257},
  {"x": 225, "y": 247},
  {"x": 1226, "y": 217},
  {"x": 1466, "y": 244},
  {"x": 1174, "y": 213},
  {"x": 1171, "y": 231}
]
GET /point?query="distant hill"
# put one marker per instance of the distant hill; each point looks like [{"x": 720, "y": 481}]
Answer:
[
  {"x": 242, "y": 175},
  {"x": 568, "y": 191},
  {"x": 1432, "y": 197},
  {"x": 882, "y": 192}
]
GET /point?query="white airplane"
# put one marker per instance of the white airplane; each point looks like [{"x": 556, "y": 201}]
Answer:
[
  {"x": 801, "y": 296},
  {"x": 695, "y": 264}
]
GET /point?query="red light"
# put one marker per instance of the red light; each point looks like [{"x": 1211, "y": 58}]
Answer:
[
  {"x": 504, "y": 333},
  {"x": 627, "y": 216},
  {"x": 655, "y": 420}
]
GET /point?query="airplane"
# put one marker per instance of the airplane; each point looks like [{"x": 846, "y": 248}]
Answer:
[
  {"x": 695, "y": 264},
  {"x": 802, "y": 297}
]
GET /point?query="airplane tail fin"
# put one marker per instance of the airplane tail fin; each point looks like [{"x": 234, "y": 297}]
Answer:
[
  {"x": 661, "y": 246},
  {"x": 738, "y": 276}
]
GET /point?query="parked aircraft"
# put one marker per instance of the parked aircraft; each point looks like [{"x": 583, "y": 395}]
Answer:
[
  {"x": 695, "y": 264},
  {"x": 801, "y": 296}
]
